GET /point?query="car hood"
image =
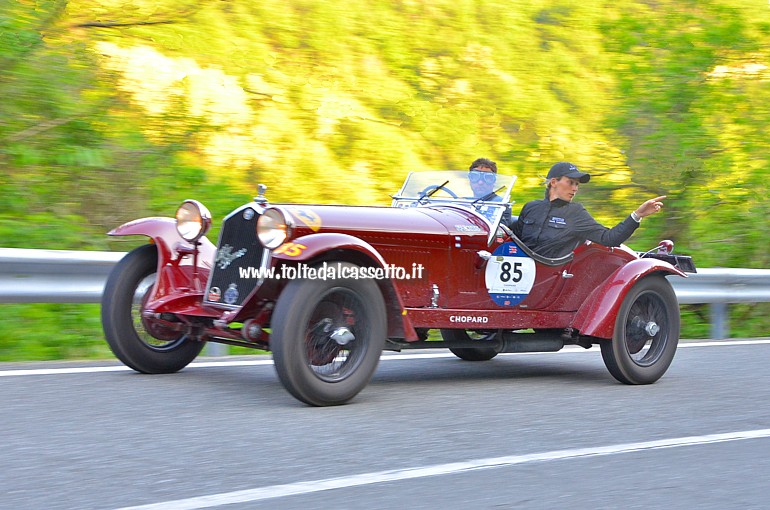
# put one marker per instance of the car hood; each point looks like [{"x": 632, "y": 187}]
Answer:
[{"x": 395, "y": 221}]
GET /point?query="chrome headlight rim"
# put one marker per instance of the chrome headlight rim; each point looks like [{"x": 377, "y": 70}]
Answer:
[
  {"x": 274, "y": 227},
  {"x": 193, "y": 220}
]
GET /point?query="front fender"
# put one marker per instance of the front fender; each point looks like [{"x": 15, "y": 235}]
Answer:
[
  {"x": 315, "y": 246},
  {"x": 596, "y": 317},
  {"x": 164, "y": 235},
  {"x": 309, "y": 247}
]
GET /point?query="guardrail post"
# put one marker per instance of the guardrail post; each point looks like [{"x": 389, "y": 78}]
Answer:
[
  {"x": 719, "y": 321},
  {"x": 216, "y": 349}
]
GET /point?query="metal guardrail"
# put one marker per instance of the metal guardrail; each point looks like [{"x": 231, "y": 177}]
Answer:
[
  {"x": 54, "y": 276},
  {"x": 59, "y": 276},
  {"x": 723, "y": 285},
  {"x": 719, "y": 287}
]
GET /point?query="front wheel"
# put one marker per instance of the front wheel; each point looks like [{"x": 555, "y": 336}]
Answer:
[
  {"x": 470, "y": 353},
  {"x": 646, "y": 333},
  {"x": 137, "y": 342},
  {"x": 327, "y": 337}
]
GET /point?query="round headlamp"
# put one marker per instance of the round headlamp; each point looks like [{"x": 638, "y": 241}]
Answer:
[
  {"x": 193, "y": 220},
  {"x": 273, "y": 228}
]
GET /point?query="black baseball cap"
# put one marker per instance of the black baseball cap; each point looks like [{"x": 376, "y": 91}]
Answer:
[{"x": 563, "y": 169}]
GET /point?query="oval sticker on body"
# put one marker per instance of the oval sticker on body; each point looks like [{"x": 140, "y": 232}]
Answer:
[{"x": 510, "y": 275}]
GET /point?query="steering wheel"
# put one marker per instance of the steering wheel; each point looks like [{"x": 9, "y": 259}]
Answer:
[{"x": 431, "y": 187}]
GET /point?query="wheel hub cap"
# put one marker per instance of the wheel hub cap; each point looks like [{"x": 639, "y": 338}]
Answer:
[
  {"x": 651, "y": 328},
  {"x": 342, "y": 336},
  {"x": 640, "y": 333}
]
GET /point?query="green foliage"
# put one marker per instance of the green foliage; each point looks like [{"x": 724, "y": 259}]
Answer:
[
  {"x": 117, "y": 109},
  {"x": 743, "y": 320},
  {"x": 51, "y": 332}
]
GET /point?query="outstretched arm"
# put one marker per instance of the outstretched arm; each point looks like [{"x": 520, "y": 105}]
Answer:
[{"x": 649, "y": 207}]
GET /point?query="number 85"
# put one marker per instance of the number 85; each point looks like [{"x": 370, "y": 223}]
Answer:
[{"x": 511, "y": 272}]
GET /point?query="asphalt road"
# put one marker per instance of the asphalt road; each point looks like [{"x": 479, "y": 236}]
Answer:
[{"x": 430, "y": 432}]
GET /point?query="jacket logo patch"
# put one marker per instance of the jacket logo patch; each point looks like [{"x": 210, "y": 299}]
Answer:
[{"x": 557, "y": 221}]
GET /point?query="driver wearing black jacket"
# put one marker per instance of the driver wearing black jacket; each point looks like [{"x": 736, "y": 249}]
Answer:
[{"x": 555, "y": 226}]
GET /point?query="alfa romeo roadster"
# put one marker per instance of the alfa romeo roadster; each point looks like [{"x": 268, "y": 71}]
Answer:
[{"x": 327, "y": 288}]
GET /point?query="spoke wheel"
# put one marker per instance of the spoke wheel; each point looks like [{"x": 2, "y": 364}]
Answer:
[
  {"x": 470, "y": 353},
  {"x": 140, "y": 343},
  {"x": 646, "y": 333},
  {"x": 327, "y": 337}
]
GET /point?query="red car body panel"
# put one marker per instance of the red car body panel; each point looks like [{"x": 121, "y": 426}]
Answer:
[{"x": 400, "y": 237}]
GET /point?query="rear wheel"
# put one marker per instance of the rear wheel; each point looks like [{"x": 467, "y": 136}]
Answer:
[
  {"x": 470, "y": 353},
  {"x": 327, "y": 337},
  {"x": 646, "y": 333},
  {"x": 141, "y": 344}
]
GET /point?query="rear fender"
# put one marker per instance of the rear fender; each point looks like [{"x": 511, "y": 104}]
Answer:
[
  {"x": 596, "y": 317},
  {"x": 315, "y": 248}
]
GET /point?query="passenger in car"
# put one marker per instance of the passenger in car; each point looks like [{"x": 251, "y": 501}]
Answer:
[
  {"x": 482, "y": 178},
  {"x": 555, "y": 226}
]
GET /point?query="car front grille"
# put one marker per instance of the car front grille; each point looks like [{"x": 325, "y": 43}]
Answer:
[{"x": 239, "y": 257}]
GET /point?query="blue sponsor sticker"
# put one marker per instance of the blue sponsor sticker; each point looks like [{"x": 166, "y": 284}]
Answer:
[{"x": 231, "y": 294}]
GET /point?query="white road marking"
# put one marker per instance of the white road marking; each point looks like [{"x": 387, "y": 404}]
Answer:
[
  {"x": 122, "y": 368},
  {"x": 452, "y": 468},
  {"x": 385, "y": 357}
]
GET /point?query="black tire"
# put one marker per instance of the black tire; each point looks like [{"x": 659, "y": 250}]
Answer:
[
  {"x": 314, "y": 367},
  {"x": 139, "y": 344},
  {"x": 469, "y": 353},
  {"x": 646, "y": 333}
]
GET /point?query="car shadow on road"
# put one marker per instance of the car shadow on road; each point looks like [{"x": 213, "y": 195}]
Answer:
[
  {"x": 525, "y": 368},
  {"x": 260, "y": 386}
]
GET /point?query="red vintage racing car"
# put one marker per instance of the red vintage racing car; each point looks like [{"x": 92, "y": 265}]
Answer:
[{"x": 328, "y": 288}]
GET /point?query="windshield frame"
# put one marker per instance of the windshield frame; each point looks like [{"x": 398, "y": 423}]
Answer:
[
  {"x": 431, "y": 188},
  {"x": 455, "y": 180}
]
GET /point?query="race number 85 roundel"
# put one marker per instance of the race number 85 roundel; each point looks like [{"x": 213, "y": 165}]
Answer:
[{"x": 510, "y": 275}]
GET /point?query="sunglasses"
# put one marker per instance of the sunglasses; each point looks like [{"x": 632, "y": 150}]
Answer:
[{"x": 476, "y": 176}]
